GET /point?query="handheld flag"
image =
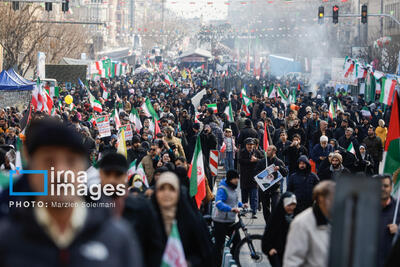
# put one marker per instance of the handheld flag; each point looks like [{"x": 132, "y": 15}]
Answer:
[
  {"x": 197, "y": 175},
  {"x": 174, "y": 255}
]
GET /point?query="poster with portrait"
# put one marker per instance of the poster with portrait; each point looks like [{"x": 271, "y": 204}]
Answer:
[{"x": 268, "y": 177}]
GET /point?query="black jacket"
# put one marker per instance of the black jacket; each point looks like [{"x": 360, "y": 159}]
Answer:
[
  {"x": 293, "y": 154},
  {"x": 24, "y": 243},
  {"x": 301, "y": 183},
  {"x": 276, "y": 229},
  {"x": 193, "y": 232},
  {"x": 246, "y": 133},
  {"x": 136, "y": 154},
  {"x": 248, "y": 169},
  {"x": 374, "y": 147},
  {"x": 142, "y": 218}
]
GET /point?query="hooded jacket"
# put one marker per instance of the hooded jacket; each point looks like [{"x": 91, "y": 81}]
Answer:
[
  {"x": 302, "y": 183},
  {"x": 24, "y": 243}
]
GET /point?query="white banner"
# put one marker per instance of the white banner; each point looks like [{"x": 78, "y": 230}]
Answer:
[{"x": 103, "y": 125}]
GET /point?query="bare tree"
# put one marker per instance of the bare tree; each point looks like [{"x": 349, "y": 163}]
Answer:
[{"x": 22, "y": 37}]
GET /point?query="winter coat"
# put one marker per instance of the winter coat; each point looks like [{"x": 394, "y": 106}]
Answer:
[
  {"x": 280, "y": 148},
  {"x": 344, "y": 142},
  {"x": 276, "y": 230},
  {"x": 381, "y": 133},
  {"x": 293, "y": 154},
  {"x": 248, "y": 169},
  {"x": 308, "y": 240},
  {"x": 328, "y": 174},
  {"x": 374, "y": 147},
  {"x": 385, "y": 237},
  {"x": 318, "y": 151},
  {"x": 301, "y": 183},
  {"x": 141, "y": 216},
  {"x": 193, "y": 232},
  {"x": 24, "y": 243}
]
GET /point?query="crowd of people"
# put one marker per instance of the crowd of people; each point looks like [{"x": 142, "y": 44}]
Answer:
[{"x": 303, "y": 141}]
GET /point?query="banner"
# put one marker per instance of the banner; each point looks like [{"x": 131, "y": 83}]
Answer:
[
  {"x": 103, "y": 125},
  {"x": 128, "y": 131},
  {"x": 41, "y": 65}
]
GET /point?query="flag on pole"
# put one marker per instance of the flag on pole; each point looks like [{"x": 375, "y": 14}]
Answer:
[
  {"x": 115, "y": 117},
  {"x": 246, "y": 103},
  {"x": 197, "y": 175},
  {"x": 292, "y": 97},
  {"x": 229, "y": 113},
  {"x": 272, "y": 91},
  {"x": 134, "y": 118},
  {"x": 283, "y": 96},
  {"x": 388, "y": 88},
  {"x": 168, "y": 79},
  {"x": 243, "y": 92},
  {"x": 148, "y": 109},
  {"x": 391, "y": 152},
  {"x": 214, "y": 107},
  {"x": 332, "y": 111},
  {"x": 265, "y": 138},
  {"x": 351, "y": 149},
  {"x": 96, "y": 105},
  {"x": 105, "y": 92},
  {"x": 366, "y": 112},
  {"x": 121, "y": 148},
  {"x": 174, "y": 255},
  {"x": 92, "y": 119}
]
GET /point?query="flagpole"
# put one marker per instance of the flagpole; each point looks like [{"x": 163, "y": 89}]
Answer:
[{"x": 396, "y": 211}]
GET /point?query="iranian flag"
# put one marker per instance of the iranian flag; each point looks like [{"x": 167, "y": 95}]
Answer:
[
  {"x": 265, "y": 138},
  {"x": 388, "y": 88},
  {"x": 246, "y": 103},
  {"x": 92, "y": 119},
  {"x": 292, "y": 97},
  {"x": 41, "y": 100},
  {"x": 214, "y": 107},
  {"x": 148, "y": 109},
  {"x": 134, "y": 118},
  {"x": 351, "y": 149},
  {"x": 174, "y": 255},
  {"x": 332, "y": 111},
  {"x": 154, "y": 127},
  {"x": 168, "y": 79},
  {"x": 339, "y": 106},
  {"x": 197, "y": 175},
  {"x": 139, "y": 170},
  {"x": 272, "y": 91},
  {"x": 264, "y": 92},
  {"x": 229, "y": 113},
  {"x": 96, "y": 105},
  {"x": 100, "y": 69},
  {"x": 283, "y": 96},
  {"x": 243, "y": 92},
  {"x": 115, "y": 118},
  {"x": 366, "y": 112},
  {"x": 391, "y": 154},
  {"x": 105, "y": 92}
]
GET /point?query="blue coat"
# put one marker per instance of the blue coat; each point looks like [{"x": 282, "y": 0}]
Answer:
[{"x": 319, "y": 151}]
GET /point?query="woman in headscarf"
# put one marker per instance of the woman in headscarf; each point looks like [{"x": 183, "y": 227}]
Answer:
[
  {"x": 276, "y": 230},
  {"x": 172, "y": 208},
  {"x": 365, "y": 162},
  {"x": 381, "y": 131}
]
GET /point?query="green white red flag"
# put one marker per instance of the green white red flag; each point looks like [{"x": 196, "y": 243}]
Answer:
[
  {"x": 387, "y": 92},
  {"x": 229, "y": 113},
  {"x": 134, "y": 118},
  {"x": 174, "y": 255},
  {"x": 115, "y": 117},
  {"x": 213, "y": 106},
  {"x": 332, "y": 111},
  {"x": 351, "y": 149},
  {"x": 197, "y": 175},
  {"x": 246, "y": 103},
  {"x": 148, "y": 109},
  {"x": 96, "y": 105}
]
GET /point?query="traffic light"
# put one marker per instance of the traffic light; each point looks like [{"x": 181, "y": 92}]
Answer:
[
  {"x": 65, "y": 6},
  {"x": 321, "y": 15},
  {"x": 15, "y": 5},
  {"x": 48, "y": 6},
  {"x": 335, "y": 15},
  {"x": 364, "y": 14}
]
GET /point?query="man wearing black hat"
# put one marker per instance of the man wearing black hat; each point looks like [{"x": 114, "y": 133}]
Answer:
[
  {"x": 57, "y": 229},
  {"x": 136, "y": 152},
  {"x": 248, "y": 159}
]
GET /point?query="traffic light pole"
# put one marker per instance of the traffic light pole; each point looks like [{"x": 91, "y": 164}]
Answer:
[{"x": 369, "y": 15}]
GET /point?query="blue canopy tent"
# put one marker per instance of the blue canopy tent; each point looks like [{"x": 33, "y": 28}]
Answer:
[
  {"x": 19, "y": 78},
  {"x": 7, "y": 82}
]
